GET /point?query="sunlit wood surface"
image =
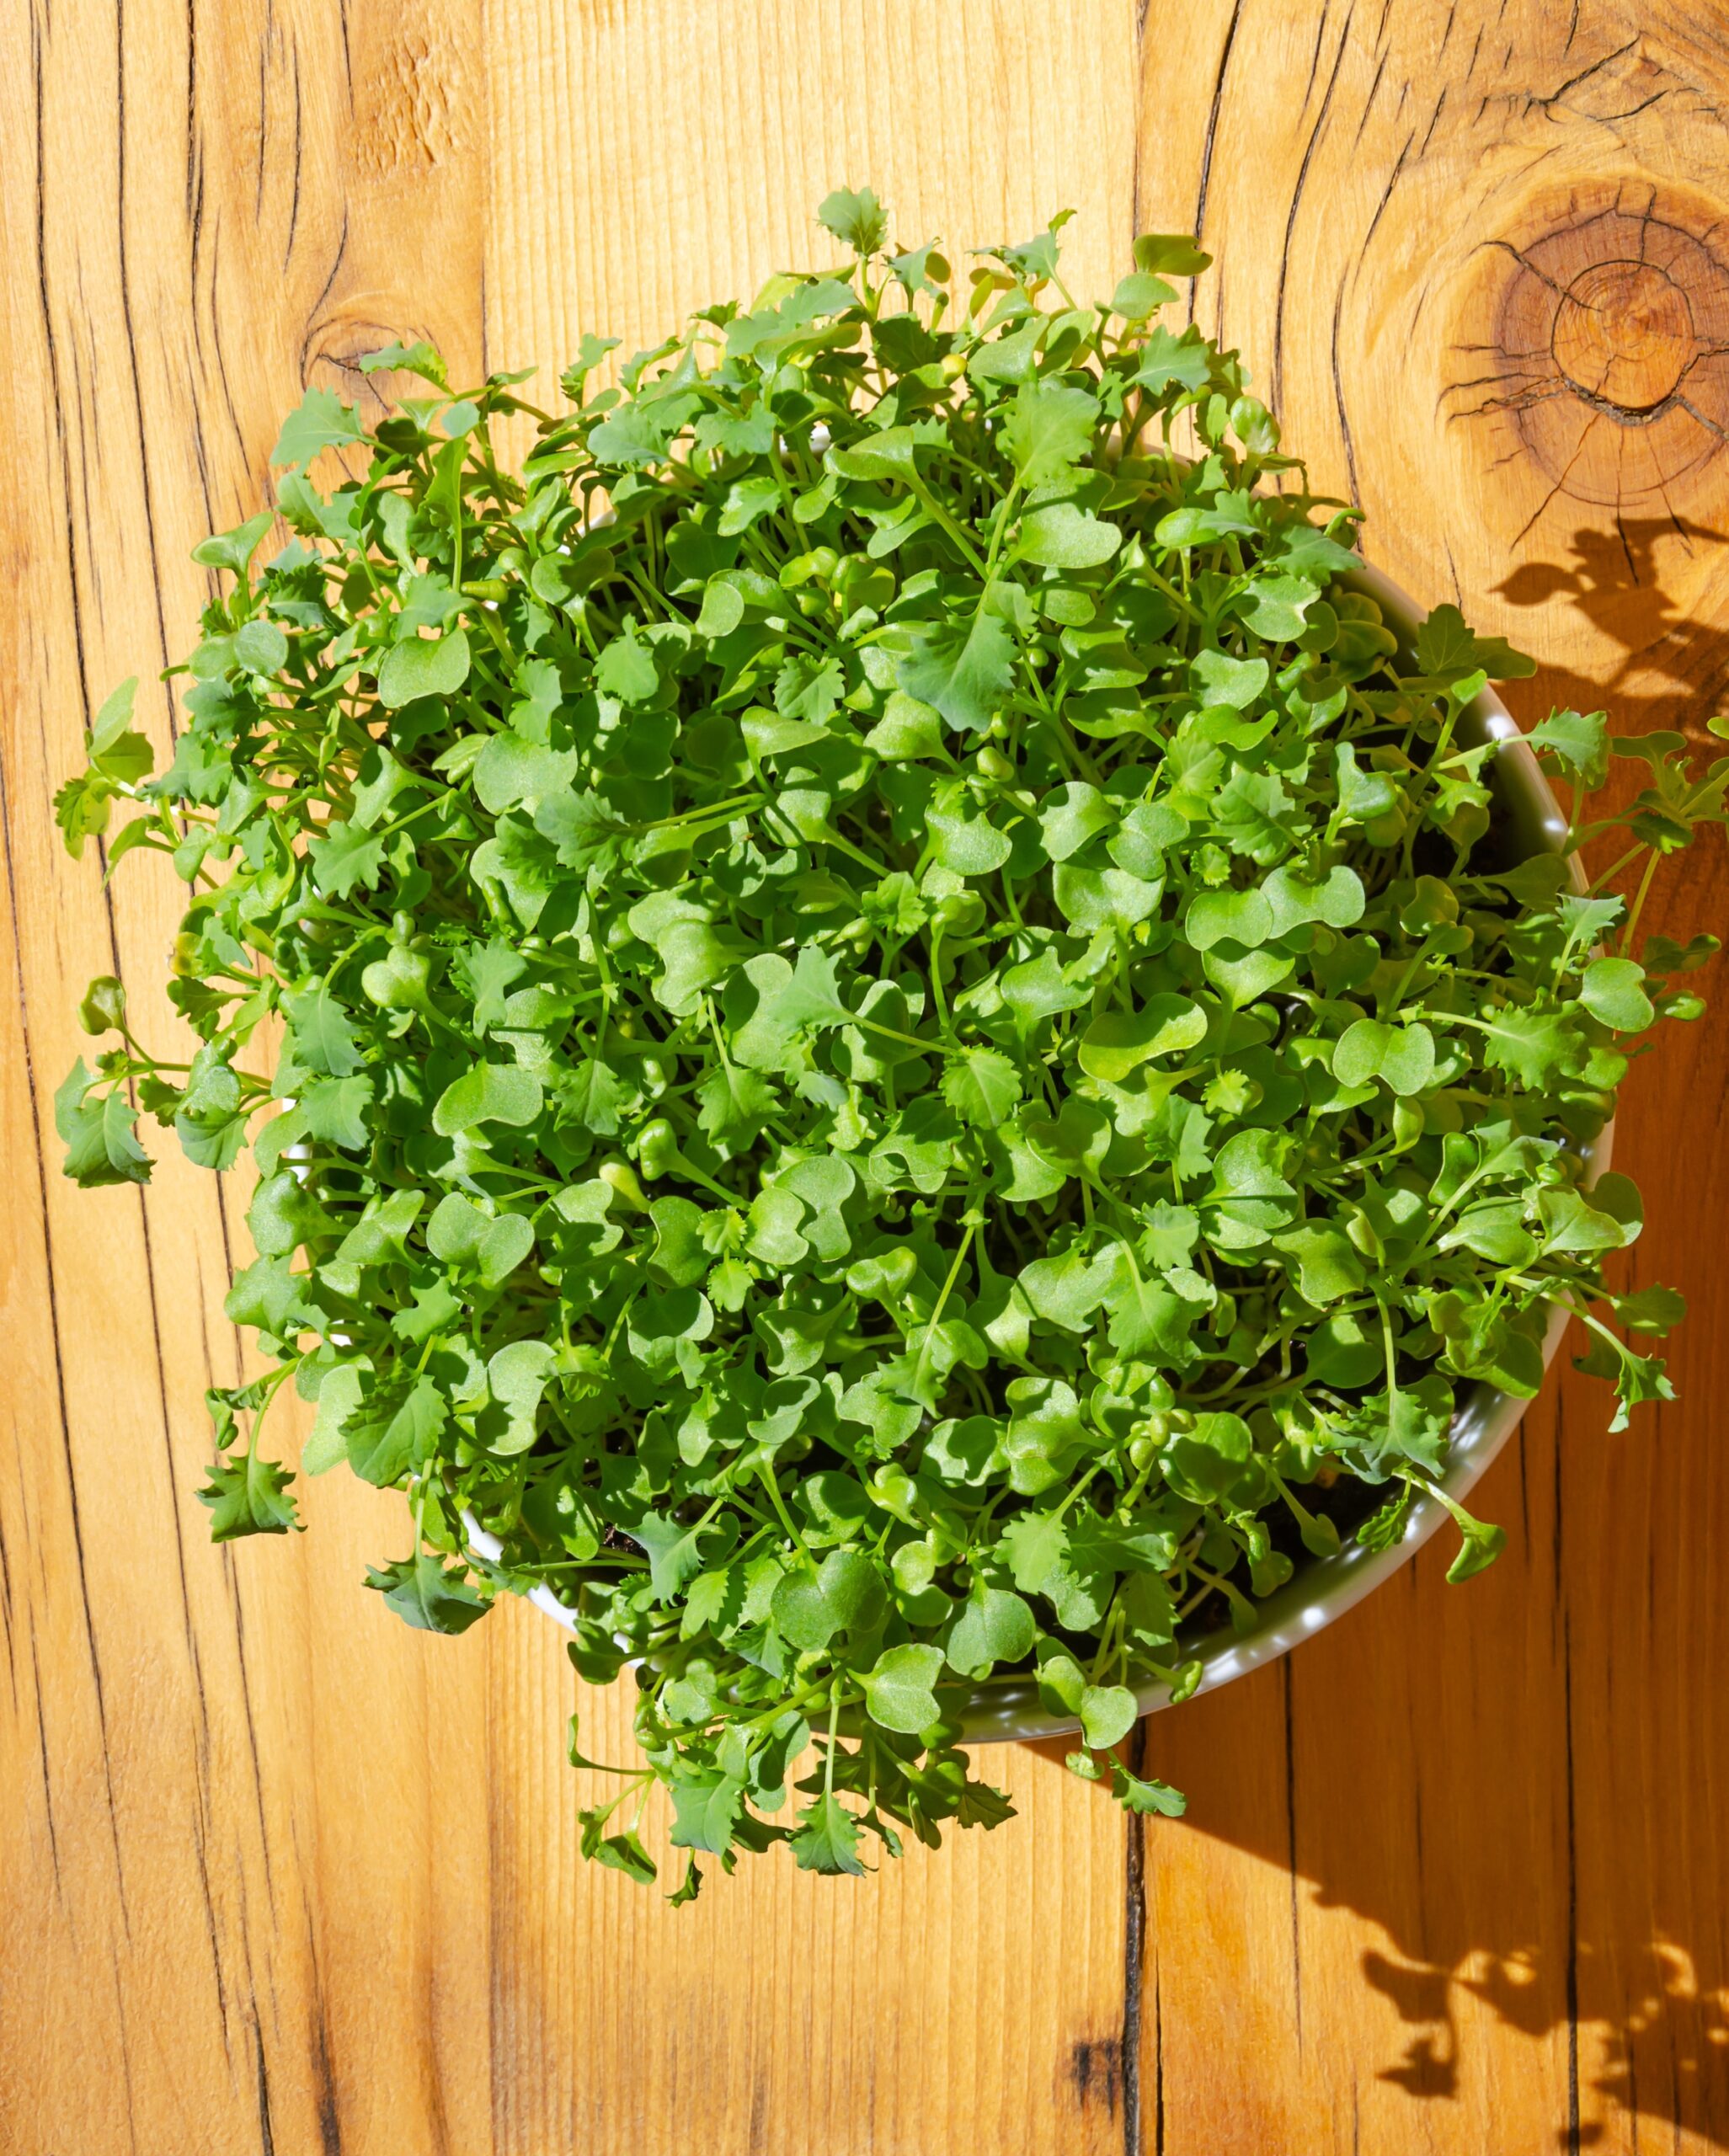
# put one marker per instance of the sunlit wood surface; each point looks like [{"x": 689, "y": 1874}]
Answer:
[{"x": 279, "y": 1874}]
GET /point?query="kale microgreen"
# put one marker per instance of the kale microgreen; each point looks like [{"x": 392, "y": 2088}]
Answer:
[{"x": 904, "y": 1045}]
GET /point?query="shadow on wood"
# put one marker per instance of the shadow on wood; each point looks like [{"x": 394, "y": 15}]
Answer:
[{"x": 1672, "y": 669}]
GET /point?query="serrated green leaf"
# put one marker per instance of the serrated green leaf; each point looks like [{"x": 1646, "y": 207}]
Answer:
[
  {"x": 964, "y": 670},
  {"x": 321, "y": 420}
]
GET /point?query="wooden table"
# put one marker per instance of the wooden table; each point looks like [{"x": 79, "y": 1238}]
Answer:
[{"x": 280, "y": 1874}]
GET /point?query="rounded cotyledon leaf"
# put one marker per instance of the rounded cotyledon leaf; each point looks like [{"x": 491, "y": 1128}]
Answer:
[
  {"x": 1118, "y": 1042},
  {"x": 1107, "y": 1713},
  {"x": 491, "y": 1093},
  {"x": 419, "y": 666},
  {"x": 1612, "y": 990},
  {"x": 847, "y": 1593},
  {"x": 1403, "y": 1057},
  {"x": 1243, "y": 917},
  {"x": 993, "y": 1625},
  {"x": 899, "y": 1690}
]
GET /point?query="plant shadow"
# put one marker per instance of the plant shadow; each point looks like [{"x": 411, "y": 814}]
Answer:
[
  {"x": 1493, "y": 1792},
  {"x": 1673, "y": 670}
]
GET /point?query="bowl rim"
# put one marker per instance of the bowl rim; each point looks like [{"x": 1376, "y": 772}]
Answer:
[{"x": 1322, "y": 1589}]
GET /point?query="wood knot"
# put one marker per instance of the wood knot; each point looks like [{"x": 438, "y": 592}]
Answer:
[
  {"x": 1624, "y": 337},
  {"x": 1603, "y": 352}
]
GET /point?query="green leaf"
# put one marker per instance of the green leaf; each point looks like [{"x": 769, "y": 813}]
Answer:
[
  {"x": 673, "y": 1549},
  {"x": 1612, "y": 990},
  {"x": 993, "y": 1626},
  {"x": 1277, "y": 607},
  {"x": 626, "y": 668},
  {"x": 907, "y": 730},
  {"x": 1047, "y": 431},
  {"x": 1149, "y": 1321},
  {"x": 99, "y": 1144},
  {"x": 982, "y": 1086},
  {"x": 267, "y": 1294},
  {"x": 1094, "y": 898},
  {"x": 706, "y": 1812},
  {"x": 425, "y": 1593},
  {"x": 1337, "y": 899},
  {"x": 809, "y": 689},
  {"x": 1449, "y": 650},
  {"x": 261, "y": 648},
  {"x": 722, "y": 611},
  {"x": 321, "y": 420},
  {"x": 234, "y": 549},
  {"x": 1207, "y": 1464},
  {"x": 1107, "y": 1713},
  {"x": 1170, "y": 254},
  {"x": 1345, "y": 1351},
  {"x": 583, "y": 832},
  {"x": 1655, "y": 1309},
  {"x": 1403, "y": 1057},
  {"x": 323, "y": 1031},
  {"x": 1220, "y": 678},
  {"x": 1044, "y": 1432},
  {"x": 1037, "y": 1544},
  {"x": 248, "y": 1496},
  {"x": 1243, "y": 917},
  {"x": 1118, "y": 1042},
  {"x": 512, "y": 773},
  {"x": 886, "y": 454},
  {"x": 899, "y": 1689},
  {"x": 624, "y": 1853},
  {"x": 1071, "y": 815},
  {"x": 422, "y": 666},
  {"x": 811, "y": 998},
  {"x": 1065, "y": 1290},
  {"x": 734, "y": 1106},
  {"x": 490, "y": 1092},
  {"x": 117, "y": 752},
  {"x": 1578, "y": 740},
  {"x": 383, "y": 1451},
  {"x": 1569, "y": 1224},
  {"x": 211, "y": 1120},
  {"x": 827, "y": 1839},
  {"x": 1011, "y": 357},
  {"x": 1183, "y": 362},
  {"x": 1329, "y": 1267},
  {"x": 516, "y": 1377},
  {"x": 345, "y": 859},
  {"x": 1063, "y": 535},
  {"x": 846, "y": 1595},
  {"x": 1135, "y": 1795},
  {"x": 967, "y": 843},
  {"x": 338, "y": 1397},
  {"x": 1534, "y": 1046},
  {"x": 1036, "y": 990},
  {"x": 418, "y": 358},
  {"x": 965, "y": 671},
  {"x": 1139, "y": 294},
  {"x": 859, "y": 220},
  {"x": 1481, "y": 1545}
]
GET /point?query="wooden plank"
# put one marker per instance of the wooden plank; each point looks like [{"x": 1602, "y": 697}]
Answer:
[
  {"x": 1480, "y": 1823},
  {"x": 251, "y": 1895}
]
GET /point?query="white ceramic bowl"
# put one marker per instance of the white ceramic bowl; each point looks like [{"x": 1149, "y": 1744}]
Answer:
[{"x": 1322, "y": 1588}]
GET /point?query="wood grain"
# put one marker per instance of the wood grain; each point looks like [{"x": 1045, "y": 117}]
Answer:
[{"x": 289, "y": 1877}]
